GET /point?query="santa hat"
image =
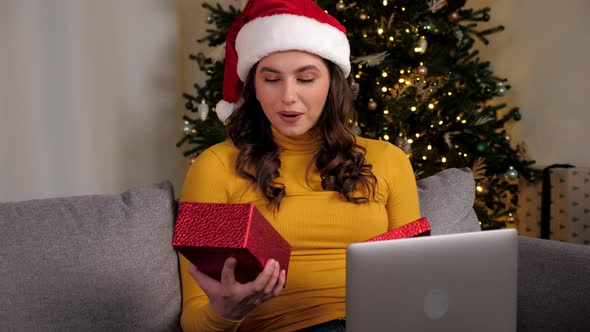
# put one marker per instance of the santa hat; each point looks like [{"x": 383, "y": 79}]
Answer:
[{"x": 267, "y": 26}]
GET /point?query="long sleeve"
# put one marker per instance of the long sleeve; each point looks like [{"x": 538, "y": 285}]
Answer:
[
  {"x": 206, "y": 181},
  {"x": 402, "y": 203}
]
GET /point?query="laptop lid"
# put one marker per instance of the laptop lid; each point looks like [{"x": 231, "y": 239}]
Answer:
[{"x": 455, "y": 282}]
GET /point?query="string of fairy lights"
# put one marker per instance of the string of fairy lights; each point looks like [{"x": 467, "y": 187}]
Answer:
[{"x": 411, "y": 76}]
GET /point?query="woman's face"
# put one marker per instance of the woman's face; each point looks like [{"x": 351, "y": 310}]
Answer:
[{"x": 292, "y": 87}]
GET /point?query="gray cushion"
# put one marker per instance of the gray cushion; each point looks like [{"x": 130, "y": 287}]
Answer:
[
  {"x": 90, "y": 263},
  {"x": 446, "y": 199},
  {"x": 553, "y": 286}
]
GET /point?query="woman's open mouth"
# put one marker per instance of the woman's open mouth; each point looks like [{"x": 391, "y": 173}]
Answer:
[{"x": 290, "y": 116}]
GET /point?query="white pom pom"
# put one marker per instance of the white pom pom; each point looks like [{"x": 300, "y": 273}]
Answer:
[{"x": 224, "y": 110}]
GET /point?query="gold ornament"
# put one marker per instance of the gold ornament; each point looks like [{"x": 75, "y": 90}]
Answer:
[
  {"x": 421, "y": 45},
  {"x": 372, "y": 105},
  {"x": 422, "y": 70},
  {"x": 202, "y": 110},
  {"x": 454, "y": 17}
]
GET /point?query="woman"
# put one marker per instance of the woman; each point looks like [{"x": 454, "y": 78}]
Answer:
[{"x": 292, "y": 153}]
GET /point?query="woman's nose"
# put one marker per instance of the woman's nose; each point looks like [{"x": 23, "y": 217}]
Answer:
[{"x": 289, "y": 93}]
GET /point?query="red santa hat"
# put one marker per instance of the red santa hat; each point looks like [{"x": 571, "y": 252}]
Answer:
[{"x": 267, "y": 26}]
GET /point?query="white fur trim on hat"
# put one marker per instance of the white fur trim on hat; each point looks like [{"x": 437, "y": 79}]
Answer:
[
  {"x": 283, "y": 32},
  {"x": 224, "y": 110}
]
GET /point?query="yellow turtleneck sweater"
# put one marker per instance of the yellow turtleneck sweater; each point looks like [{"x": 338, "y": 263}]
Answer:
[{"x": 318, "y": 224}]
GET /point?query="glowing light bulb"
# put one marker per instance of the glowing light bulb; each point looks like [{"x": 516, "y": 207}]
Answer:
[
  {"x": 444, "y": 160},
  {"x": 429, "y": 147},
  {"x": 383, "y": 89},
  {"x": 386, "y": 137},
  {"x": 380, "y": 31}
]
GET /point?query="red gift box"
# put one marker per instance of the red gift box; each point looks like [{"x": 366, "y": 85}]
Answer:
[
  {"x": 208, "y": 233},
  {"x": 419, "y": 227}
]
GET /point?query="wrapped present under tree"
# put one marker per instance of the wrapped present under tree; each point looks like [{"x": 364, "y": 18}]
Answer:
[{"x": 558, "y": 207}]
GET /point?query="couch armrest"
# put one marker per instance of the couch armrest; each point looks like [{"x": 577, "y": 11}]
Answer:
[{"x": 553, "y": 286}]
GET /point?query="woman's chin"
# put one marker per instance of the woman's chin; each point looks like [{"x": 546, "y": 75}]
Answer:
[{"x": 293, "y": 131}]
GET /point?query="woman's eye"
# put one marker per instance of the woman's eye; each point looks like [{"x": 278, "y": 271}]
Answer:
[
  {"x": 271, "y": 80},
  {"x": 305, "y": 80}
]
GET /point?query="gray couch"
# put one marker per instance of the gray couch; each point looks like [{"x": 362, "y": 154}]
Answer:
[{"x": 105, "y": 263}]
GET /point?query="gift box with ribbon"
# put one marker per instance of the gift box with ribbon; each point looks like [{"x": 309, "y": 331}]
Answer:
[
  {"x": 209, "y": 233},
  {"x": 558, "y": 207},
  {"x": 416, "y": 228}
]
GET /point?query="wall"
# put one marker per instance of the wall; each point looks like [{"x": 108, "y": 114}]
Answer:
[
  {"x": 544, "y": 53},
  {"x": 89, "y": 96}
]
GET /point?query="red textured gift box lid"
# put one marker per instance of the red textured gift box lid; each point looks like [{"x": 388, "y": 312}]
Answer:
[
  {"x": 208, "y": 233},
  {"x": 419, "y": 227}
]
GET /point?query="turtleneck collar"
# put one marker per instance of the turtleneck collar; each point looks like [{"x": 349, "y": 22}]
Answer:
[{"x": 308, "y": 142}]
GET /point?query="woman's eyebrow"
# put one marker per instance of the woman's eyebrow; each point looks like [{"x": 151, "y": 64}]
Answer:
[
  {"x": 306, "y": 68},
  {"x": 299, "y": 70},
  {"x": 269, "y": 70}
]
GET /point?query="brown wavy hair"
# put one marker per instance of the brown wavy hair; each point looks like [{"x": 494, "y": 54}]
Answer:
[{"x": 339, "y": 160}]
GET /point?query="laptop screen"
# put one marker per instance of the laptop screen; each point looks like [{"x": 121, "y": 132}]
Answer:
[{"x": 456, "y": 282}]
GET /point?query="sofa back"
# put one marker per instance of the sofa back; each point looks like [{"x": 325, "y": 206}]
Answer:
[
  {"x": 90, "y": 263},
  {"x": 105, "y": 262}
]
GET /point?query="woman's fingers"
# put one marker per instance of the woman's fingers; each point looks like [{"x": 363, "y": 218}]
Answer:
[
  {"x": 272, "y": 281},
  {"x": 204, "y": 281},
  {"x": 265, "y": 276},
  {"x": 280, "y": 283},
  {"x": 231, "y": 299},
  {"x": 193, "y": 271},
  {"x": 267, "y": 285},
  {"x": 228, "y": 276}
]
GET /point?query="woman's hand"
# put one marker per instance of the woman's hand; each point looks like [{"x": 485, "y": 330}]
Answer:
[{"x": 233, "y": 300}]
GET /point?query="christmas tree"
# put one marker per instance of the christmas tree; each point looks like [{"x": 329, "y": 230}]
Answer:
[{"x": 418, "y": 83}]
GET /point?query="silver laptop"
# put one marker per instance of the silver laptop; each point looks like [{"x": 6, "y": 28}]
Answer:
[{"x": 456, "y": 282}]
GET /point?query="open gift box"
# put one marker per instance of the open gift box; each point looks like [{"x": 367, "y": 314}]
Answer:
[{"x": 209, "y": 233}]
